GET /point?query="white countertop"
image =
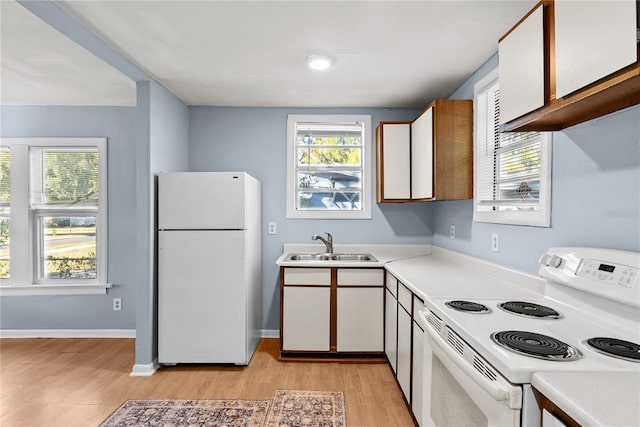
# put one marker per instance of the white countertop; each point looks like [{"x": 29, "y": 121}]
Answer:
[
  {"x": 448, "y": 274},
  {"x": 594, "y": 399},
  {"x": 382, "y": 253}
]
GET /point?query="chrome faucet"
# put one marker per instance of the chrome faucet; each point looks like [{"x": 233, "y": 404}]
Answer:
[{"x": 328, "y": 242}]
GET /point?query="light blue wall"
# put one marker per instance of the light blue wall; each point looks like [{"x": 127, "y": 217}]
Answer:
[
  {"x": 595, "y": 194},
  {"x": 162, "y": 146},
  {"x": 255, "y": 140},
  {"x": 119, "y": 126}
]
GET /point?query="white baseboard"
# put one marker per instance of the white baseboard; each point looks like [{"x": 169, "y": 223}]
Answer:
[
  {"x": 271, "y": 333},
  {"x": 144, "y": 369},
  {"x": 67, "y": 333}
]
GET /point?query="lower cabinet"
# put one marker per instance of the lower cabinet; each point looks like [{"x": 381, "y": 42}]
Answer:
[
  {"x": 359, "y": 319},
  {"x": 311, "y": 304},
  {"x": 403, "y": 373},
  {"x": 404, "y": 343},
  {"x": 418, "y": 363},
  {"x": 331, "y": 311},
  {"x": 391, "y": 327}
]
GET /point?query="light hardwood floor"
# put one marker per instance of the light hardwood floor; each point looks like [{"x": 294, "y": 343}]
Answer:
[{"x": 79, "y": 382}]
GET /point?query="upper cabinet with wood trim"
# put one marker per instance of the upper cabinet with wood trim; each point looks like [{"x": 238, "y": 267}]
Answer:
[
  {"x": 590, "y": 58},
  {"x": 430, "y": 158}
]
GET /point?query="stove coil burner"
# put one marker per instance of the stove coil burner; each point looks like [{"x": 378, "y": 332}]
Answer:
[
  {"x": 468, "y": 306},
  {"x": 616, "y": 348},
  {"x": 529, "y": 309},
  {"x": 536, "y": 345}
]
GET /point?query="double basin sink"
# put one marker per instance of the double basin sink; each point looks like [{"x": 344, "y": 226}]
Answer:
[{"x": 331, "y": 257}]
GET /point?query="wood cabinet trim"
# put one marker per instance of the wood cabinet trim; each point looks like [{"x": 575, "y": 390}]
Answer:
[
  {"x": 545, "y": 403},
  {"x": 617, "y": 91},
  {"x": 533, "y": 9},
  {"x": 333, "y": 315}
]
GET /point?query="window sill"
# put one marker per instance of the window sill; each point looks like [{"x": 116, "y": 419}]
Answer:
[{"x": 57, "y": 289}]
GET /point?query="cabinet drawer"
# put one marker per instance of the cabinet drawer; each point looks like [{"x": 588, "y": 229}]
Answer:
[
  {"x": 307, "y": 276},
  {"x": 404, "y": 297},
  {"x": 360, "y": 277},
  {"x": 392, "y": 285}
]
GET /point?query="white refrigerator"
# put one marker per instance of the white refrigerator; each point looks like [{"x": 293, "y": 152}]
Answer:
[{"x": 209, "y": 267}]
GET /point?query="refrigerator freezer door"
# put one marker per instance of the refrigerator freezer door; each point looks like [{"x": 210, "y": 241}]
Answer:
[
  {"x": 201, "y": 201},
  {"x": 202, "y": 297}
]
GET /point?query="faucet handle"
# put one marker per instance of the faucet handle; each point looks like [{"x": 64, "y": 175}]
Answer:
[{"x": 329, "y": 236}]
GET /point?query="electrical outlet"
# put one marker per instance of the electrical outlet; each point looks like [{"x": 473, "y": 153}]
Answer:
[
  {"x": 495, "y": 243},
  {"x": 117, "y": 304},
  {"x": 452, "y": 231},
  {"x": 273, "y": 229}
]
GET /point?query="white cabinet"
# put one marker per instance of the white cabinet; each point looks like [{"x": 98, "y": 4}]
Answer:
[
  {"x": 391, "y": 329},
  {"x": 521, "y": 67},
  {"x": 305, "y": 323},
  {"x": 360, "y": 310},
  {"x": 394, "y": 161},
  {"x": 418, "y": 363},
  {"x": 592, "y": 40},
  {"x": 422, "y": 156},
  {"x": 430, "y": 158},
  {"x": 360, "y": 319},
  {"x": 404, "y": 341},
  {"x": 567, "y": 62},
  {"x": 306, "y": 309},
  {"x": 403, "y": 373},
  {"x": 391, "y": 322},
  {"x": 332, "y": 311}
]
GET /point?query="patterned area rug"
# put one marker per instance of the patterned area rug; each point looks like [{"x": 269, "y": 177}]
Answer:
[
  {"x": 307, "y": 408},
  {"x": 289, "y": 408}
]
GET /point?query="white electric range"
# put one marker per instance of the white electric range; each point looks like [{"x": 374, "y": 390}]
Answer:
[{"x": 478, "y": 362}]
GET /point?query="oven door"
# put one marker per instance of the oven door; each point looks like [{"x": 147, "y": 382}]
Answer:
[{"x": 460, "y": 388}]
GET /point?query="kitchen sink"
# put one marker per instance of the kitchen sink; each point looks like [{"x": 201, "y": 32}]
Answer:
[{"x": 331, "y": 257}]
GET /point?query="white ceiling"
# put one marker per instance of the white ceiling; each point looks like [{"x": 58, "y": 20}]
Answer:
[
  {"x": 41, "y": 66},
  {"x": 242, "y": 53}
]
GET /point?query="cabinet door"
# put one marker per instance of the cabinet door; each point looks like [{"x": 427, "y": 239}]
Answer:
[
  {"x": 422, "y": 156},
  {"x": 306, "y": 322},
  {"x": 391, "y": 328},
  {"x": 360, "y": 319},
  {"x": 395, "y": 153},
  {"x": 418, "y": 363},
  {"x": 404, "y": 352},
  {"x": 521, "y": 68},
  {"x": 592, "y": 40}
]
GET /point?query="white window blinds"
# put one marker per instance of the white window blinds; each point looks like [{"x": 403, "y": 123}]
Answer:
[{"x": 512, "y": 169}]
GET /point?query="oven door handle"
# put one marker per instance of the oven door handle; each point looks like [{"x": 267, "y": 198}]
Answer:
[{"x": 499, "y": 389}]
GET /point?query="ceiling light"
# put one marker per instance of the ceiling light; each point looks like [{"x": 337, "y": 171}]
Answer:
[{"x": 319, "y": 62}]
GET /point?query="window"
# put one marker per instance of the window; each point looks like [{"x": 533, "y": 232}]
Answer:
[
  {"x": 329, "y": 166},
  {"x": 513, "y": 169},
  {"x": 53, "y": 226}
]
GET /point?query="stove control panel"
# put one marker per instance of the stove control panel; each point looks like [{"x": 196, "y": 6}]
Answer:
[
  {"x": 607, "y": 272},
  {"x": 612, "y": 274}
]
